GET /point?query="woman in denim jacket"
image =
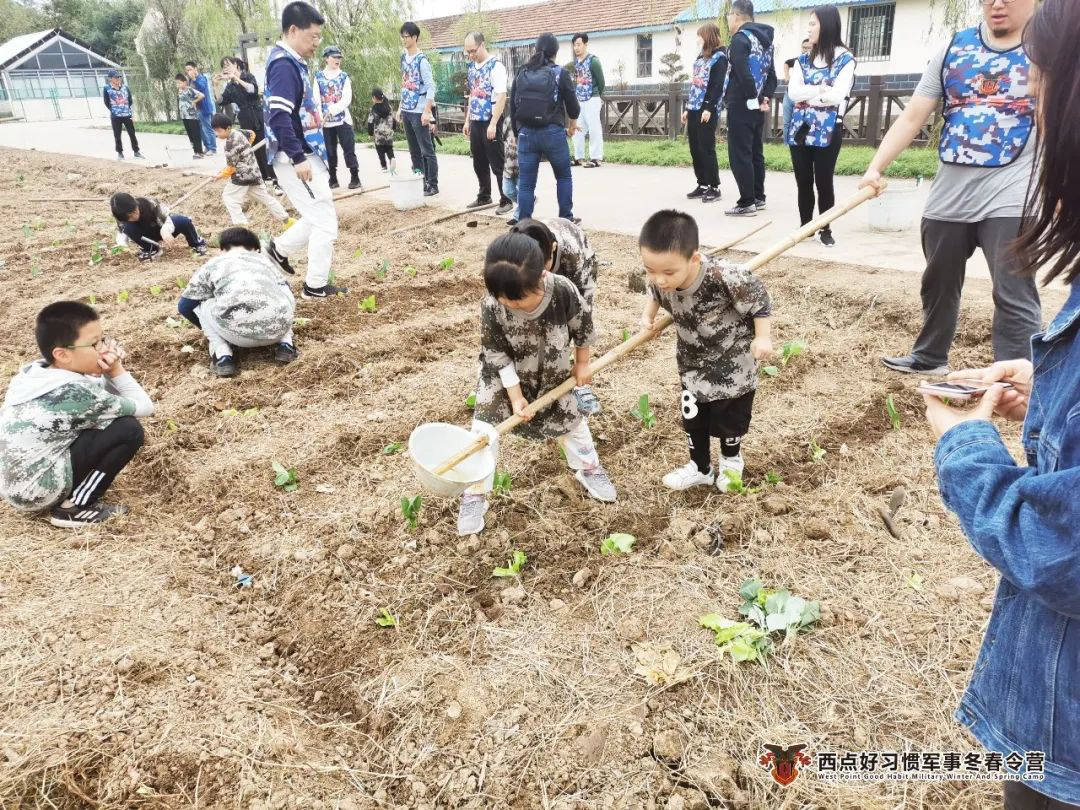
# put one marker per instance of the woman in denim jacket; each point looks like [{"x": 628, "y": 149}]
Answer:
[{"x": 1024, "y": 694}]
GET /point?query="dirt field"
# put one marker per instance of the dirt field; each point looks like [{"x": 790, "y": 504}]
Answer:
[{"x": 135, "y": 674}]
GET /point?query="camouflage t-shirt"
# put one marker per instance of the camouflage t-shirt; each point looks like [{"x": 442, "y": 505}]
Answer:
[
  {"x": 186, "y": 99},
  {"x": 575, "y": 260},
  {"x": 35, "y": 437},
  {"x": 250, "y": 296},
  {"x": 714, "y": 322},
  {"x": 540, "y": 346},
  {"x": 240, "y": 155}
]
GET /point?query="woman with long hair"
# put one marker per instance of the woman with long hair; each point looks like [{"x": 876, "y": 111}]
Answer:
[
  {"x": 242, "y": 89},
  {"x": 819, "y": 86},
  {"x": 1024, "y": 694},
  {"x": 700, "y": 115},
  {"x": 543, "y": 112}
]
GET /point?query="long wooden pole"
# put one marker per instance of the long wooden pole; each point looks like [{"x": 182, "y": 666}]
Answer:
[
  {"x": 442, "y": 218},
  {"x": 357, "y": 191},
  {"x": 734, "y": 242},
  {"x": 659, "y": 325},
  {"x": 209, "y": 180}
]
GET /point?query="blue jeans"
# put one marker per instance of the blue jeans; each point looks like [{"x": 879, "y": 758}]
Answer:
[
  {"x": 510, "y": 191},
  {"x": 549, "y": 141},
  {"x": 421, "y": 147},
  {"x": 208, "y": 136},
  {"x": 789, "y": 109}
]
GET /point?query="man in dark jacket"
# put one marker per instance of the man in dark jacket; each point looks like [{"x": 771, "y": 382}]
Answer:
[{"x": 748, "y": 86}]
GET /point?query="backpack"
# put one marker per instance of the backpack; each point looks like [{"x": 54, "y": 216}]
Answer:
[{"x": 536, "y": 96}]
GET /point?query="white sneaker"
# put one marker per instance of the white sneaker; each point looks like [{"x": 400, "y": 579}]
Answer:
[
  {"x": 688, "y": 476},
  {"x": 597, "y": 484},
  {"x": 723, "y": 483},
  {"x": 470, "y": 519}
]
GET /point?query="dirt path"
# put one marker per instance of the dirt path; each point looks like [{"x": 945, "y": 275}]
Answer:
[{"x": 137, "y": 675}]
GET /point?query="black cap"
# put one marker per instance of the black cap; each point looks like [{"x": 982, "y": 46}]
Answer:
[{"x": 333, "y": 50}]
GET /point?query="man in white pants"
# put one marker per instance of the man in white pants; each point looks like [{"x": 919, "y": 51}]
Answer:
[
  {"x": 589, "y": 83},
  {"x": 296, "y": 147}
]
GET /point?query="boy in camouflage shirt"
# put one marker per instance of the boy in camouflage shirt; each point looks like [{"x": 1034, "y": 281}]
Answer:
[
  {"x": 243, "y": 171},
  {"x": 68, "y": 426},
  {"x": 529, "y": 320},
  {"x": 240, "y": 299},
  {"x": 380, "y": 126},
  {"x": 721, "y": 313},
  {"x": 187, "y": 99}
]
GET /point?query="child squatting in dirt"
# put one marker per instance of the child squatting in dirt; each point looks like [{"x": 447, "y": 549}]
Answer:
[
  {"x": 68, "y": 425},
  {"x": 721, "y": 313},
  {"x": 240, "y": 299},
  {"x": 144, "y": 222},
  {"x": 530, "y": 317}
]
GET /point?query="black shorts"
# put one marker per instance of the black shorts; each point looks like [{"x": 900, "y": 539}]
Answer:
[{"x": 721, "y": 418}]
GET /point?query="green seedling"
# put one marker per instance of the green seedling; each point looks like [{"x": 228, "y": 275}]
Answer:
[
  {"x": 617, "y": 544},
  {"x": 357, "y": 253},
  {"x": 251, "y": 412},
  {"x": 915, "y": 581},
  {"x": 56, "y": 243},
  {"x": 386, "y": 619},
  {"x": 367, "y": 305},
  {"x": 447, "y": 263},
  {"x": 791, "y": 350},
  {"x": 39, "y": 225},
  {"x": 155, "y": 289},
  {"x": 894, "y": 414},
  {"x": 736, "y": 485},
  {"x": 115, "y": 249},
  {"x": 181, "y": 282},
  {"x": 625, "y": 335},
  {"x": 92, "y": 299},
  {"x": 230, "y": 412},
  {"x": 383, "y": 269},
  {"x": 171, "y": 426},
  {"x": 643, "y": 412},
  {"x": 332, "y": 279},
  {"x": 172, "y": 323},
  {"x": 26, "y": 230},
  {"x": 95, "y": 256},
  {"x": 410, "y": 271},
  {"x": 470, "y": 400},
  {"x": 410, "y": 510},
  {"x": 122, "y": 297},
  {"x": 773, "y": 478},
  {"x": 299, "y": 322},
  {"x": 776, "y": 610},
  {"x": 284, "y": 479},
  {"x": 817, "y": 452},
  {"x": 392, "y": 449},
  {"x": 35, "y": 270},
  {"x": 72, "y": 228},
  {"x": 513, "y": 565},
  {"x": 770, "y": 371},
  {"x": 739, "y": 639},
  {"x": 502, "y": 483}
]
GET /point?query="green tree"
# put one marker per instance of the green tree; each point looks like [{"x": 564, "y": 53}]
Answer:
[
  {"x": 107, "y": 26},
  {"x": 18, "y": 18}
]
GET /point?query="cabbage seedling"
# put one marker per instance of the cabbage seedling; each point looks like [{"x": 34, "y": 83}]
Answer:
[
  {"x": 618, "y": 544},
  {"x": 386, "y": 619},
  {"x": 502, "y": 483},
  {"x": 470, "y": 400},
  {"x": 285, "y": 479},
  {"x": 155, "y": 289},
  {"x": 643, "y": 412},
  {"x": 367, "y": 305},
  {"x": 447, "y": 263},
  {"x": 894, "y": 415},
  {"x": 122, "y": 297},
  {"x": 817, "y": 453},
  {"x": 773, "y": 478},
  {"x": 410, "y": 510},
  {"x": 791, "y": 350},
  {"x": 513, "y": 565},
  {"x": 392, "y": 449}
]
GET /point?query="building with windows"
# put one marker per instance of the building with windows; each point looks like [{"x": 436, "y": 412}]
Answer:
[{"x": 50, "y": 75}]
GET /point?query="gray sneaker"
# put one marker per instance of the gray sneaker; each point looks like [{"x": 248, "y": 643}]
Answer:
[
  {"x": 470, "y": 519},
  {"x": 909, "y": 365},
  {"x": 597, "y": 484}
]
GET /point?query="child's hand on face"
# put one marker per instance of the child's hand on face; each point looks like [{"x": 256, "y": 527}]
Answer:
[
  {"x": 111, "y": 359},
  {"x": 761, "y": 348},
  {"x": 519, "y": 404}
]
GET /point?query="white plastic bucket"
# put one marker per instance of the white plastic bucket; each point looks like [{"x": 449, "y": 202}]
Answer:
[
  {"x": 894, "y": 210},
  {"x": 407, "y": 191},
  {"x": 433, "y": 444}
]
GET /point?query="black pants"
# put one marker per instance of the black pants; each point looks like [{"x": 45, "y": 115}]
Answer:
[
  {"x": 98, "y": 456},
  {"x": 487, "y": 156},
  {"x": 724, "y": 419},
  {"x": 746, "y": 152},
  {"x": 815, "y": 166},
  {"x": 194, "y": 134},
  {"x": 129, "y": 125},
  {"x": 1018, "y": 796},
  {"x": 341, "y": 134},
  {"x": 145, "y": 237},
  {"x": 265, "y": 169},
  {"x": 1017, "y": 313},
  {"x": 385, "y": 152},
  {"x": 702, "y": 138}
]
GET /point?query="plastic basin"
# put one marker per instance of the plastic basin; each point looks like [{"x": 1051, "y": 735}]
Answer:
[{"x": 432, "y": 444}]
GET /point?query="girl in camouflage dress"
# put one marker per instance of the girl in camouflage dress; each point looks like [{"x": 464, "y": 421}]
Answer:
[{"x": 529, "y": 320}]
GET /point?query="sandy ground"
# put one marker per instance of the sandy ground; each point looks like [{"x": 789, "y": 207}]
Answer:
[{"x": 136, "y": 674}]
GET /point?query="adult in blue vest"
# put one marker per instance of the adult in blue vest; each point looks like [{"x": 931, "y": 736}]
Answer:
[
  {"x": 117, "y": 97},
  {"x": 416, "y": 109},
  {"x": 486, "y": 85},
  {"x": 748, "y": 86},
  {"x": 335, "y": 95},
  {"x": 702, "y": 114},
  {"x": 1023, "y": 699},
  {"x": 819, "y": 86},
  {"x": 983, "y": 77},
  {"x": 205, "y": 107}
]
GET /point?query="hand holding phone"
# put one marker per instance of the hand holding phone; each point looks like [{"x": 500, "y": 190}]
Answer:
[{"x": 959, "y": 390}]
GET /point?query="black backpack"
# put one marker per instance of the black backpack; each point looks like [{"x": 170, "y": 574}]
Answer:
[{"x": 536, "y": 94}]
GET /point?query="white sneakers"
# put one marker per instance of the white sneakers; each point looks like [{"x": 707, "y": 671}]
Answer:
[{"x": 689, "y": 476}]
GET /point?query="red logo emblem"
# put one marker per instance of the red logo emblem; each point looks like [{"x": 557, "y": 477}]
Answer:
[
  {"x": 989, "y": 87},
  {"x": 784, "y": 763}
]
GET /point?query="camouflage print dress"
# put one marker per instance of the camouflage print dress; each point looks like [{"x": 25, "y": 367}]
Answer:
[
  {"x": 540, "y": 346},
  {"x": 714, "y": 321},
  {"x": 575, "y": 260}
]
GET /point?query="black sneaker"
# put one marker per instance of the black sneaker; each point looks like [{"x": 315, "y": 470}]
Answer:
[
  {"x": 478, "y": 202},
  {"x": 697, "y": 192},
  {"x": 285, "y": 353},
  {"x": 909, "y": 365},
  {"x": 272, "y": 254},
  {"x": 575, "y": 162},
  {"x": 712, "y": 193},
  {"x": 223, "y": 366},
  {"x": 510, "y": 223},
  {"x": 431, "y": 191},
  {"x": 72, "y": 517},
  {"x": 149, "y": 254},
  {"x": 119, "y": 155},
  {"x": 826, "y": 238},
  {"x": 505, "y": 207},
  {"x": 140, "y": 156},
  {"x": 200, "y": 249},
  {"x": 334, "y": 183},
  {"x": 741, "y": 211},
  {"x": 355, "y": 183},
  {"x": 759, "y": 205},
  {"x": 329, "y": 291}
]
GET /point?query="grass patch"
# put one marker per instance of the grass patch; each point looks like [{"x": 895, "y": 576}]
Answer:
[{"x": 160, "y": 127}]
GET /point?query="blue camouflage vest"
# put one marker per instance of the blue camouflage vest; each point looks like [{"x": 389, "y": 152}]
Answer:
[
  {"x": 761, "y": 62},
  {"x": 330, "y": 92},
  {"x": 820, "y": 122},
  {"x": 310, "y": 116},
  {"x": 481, "y": 90},
  {"x": 703, "y": 68},
  {"x": 989, "y": 108},
  {"x": 412, "y": 82},
  {"x": 583, "y": 81},
  {"x": 118, "y": 99}
]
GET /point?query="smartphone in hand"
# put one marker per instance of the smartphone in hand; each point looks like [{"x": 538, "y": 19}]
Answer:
[{"x": 960, "y": 390}]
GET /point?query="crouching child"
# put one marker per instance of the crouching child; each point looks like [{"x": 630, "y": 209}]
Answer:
[
  {"x": 240, "y": 299},
  {"x": 245, "y": 177},
  {"x": 721, "y": 313},
  {"x": 145, "y": 223},
  {"x": 530, "y": 319},
  {"x": 69, "y": 422}
]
